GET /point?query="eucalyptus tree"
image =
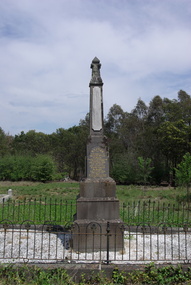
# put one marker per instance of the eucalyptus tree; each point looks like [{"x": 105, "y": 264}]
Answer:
[
  {"x": 5, "y": 143},
  {"x": 145, "y": 169},
  {"x": 183, "y": 173},
  {"x": 31, "y": 143}
]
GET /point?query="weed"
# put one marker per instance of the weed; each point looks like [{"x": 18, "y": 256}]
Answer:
[{"x": 33, "y": 275}]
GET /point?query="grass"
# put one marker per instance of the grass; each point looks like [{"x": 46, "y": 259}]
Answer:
[
  {"x": 66, "y": 190},
  {"x": 27, "y": 190},
  {"x": 40, "y": 202},
  {"x": 133, "y": 193}
]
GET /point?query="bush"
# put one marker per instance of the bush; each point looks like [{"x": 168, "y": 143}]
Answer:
[
  {"x": 123, "y": 170},
  {"x": 42, "y": 168},
  {"x": 17, "y": 168}
]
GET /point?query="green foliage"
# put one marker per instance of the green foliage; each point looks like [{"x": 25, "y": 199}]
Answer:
[
  {"x": 18, "y": 167},
  {"x": 153, "y": 275},
  {"x": 57, "y": 202},
  {"x": 145, "y": 169},
  {"x": 31, "y": 190},
  {"x": 42, "y": 168},
  {"x": 118, "y": 277},
  {"x": 114, "y": 119},
  {"x": 57, "y": 210},
  {"x": 183, "y": 171},
  {"x": 33, "y": 275},
  {"x": 70, "y": 149},
  {"x": 123, "y": 170},
  {"x": 168, "y": 275},
  {"x": 160, "y": 130},
  {"x": 173, "y": 138},
  {"x": 31, "y": 143},
  {"x": 5, "y": 143}
]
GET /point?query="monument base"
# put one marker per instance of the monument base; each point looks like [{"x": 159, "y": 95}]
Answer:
[
  {"x": 98, "y": 187},
  {"x": 97, "y": 225},
  {"x": 97, "y": 209},
  {"x": 94, "y": 236}
]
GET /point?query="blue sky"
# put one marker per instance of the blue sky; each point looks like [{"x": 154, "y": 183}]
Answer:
[{"x": 46, "y": 48}]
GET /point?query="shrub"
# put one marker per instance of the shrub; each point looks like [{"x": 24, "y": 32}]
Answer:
[{"x": 17, "y": 168}]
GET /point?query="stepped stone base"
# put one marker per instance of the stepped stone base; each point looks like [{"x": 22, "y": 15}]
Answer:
[
  {"x": 94, "y": 236},
  {"x": 97, "y": 200},
  {"x": 97, "y": 209},
  {"x": 97, "y": 225},
  {"x": 97, "y": 187}
]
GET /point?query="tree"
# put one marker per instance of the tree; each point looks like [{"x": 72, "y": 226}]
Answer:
[
  {"x": 19, "y": 167},
  {"x": 42, "y": 168},
  {"x": 69, "y": 150},
  {"x": 184, "y": 101},
  {"x": 174, "y": 143},
  {"x": 123, "y": 170},
  {"x": 156, "y": 111},
  {"x": 141, "y": 109},
  {"x": 145, "y": 169},
  {"x": 5, "y": 143},
  {"x": 114, "y": 118},
  {"x": 172, "y": 111},
  {"x": 183, "y": 172},
  {"x": 31, "y": 143}
]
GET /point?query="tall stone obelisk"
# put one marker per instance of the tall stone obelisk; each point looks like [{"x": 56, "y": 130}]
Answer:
[{"x": 97, "y": 200}]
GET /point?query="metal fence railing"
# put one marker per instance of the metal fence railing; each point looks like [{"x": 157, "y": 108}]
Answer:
[
  {"x": 44, "y": 231},
  {"x": 38, "y": 210},
  {"x": 62, "y": 211},
  {"x": 49, "y": 242},
  {"x": 155, "y": 212}
]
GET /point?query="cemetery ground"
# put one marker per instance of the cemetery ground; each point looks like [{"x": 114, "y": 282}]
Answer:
[
  {"x": 56, "y": 201},
  {"x": 69, "y": 190}
]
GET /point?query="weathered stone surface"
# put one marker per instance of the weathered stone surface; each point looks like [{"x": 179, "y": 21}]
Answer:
[
  {"x": 96, "y": 77},
  {"x": 98, "y": 188},
  {"x": 96, "y": 109},
  {"x": 97, "y": 203},
  {"x": 98, "y": 208},
  {"x": 91, "y": 236},
  {"x": 97, "y": 165},
  {"x": 97, "y": 162}
]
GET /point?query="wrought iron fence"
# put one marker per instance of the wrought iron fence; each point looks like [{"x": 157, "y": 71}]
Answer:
[
  {"x": 50, "y": 242},
  {"x": 156, "y": 212},
  {"x": 43, "y": 231},
  {"x": 62, "y": 211},
  {"x": 38, "y": 210}
]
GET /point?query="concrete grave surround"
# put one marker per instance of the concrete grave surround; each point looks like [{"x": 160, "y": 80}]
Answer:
[{"x": 97, "y": 202}]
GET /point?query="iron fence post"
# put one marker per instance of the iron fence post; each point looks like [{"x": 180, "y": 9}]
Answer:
[{"x": 108, "y": 236}]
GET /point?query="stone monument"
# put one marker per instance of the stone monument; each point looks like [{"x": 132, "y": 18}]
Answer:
[{"x": 97, "y": 203}]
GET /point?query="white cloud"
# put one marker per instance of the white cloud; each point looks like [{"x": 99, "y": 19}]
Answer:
[{"x": 46, "y": 48}]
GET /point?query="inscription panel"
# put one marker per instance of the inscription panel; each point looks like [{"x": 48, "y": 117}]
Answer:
[
  {"x": 96, "y": 109},
  {"x": 98, "y": 163}
]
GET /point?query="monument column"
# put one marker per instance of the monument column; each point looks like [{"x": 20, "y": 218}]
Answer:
[{"x": 97, "y": 200}]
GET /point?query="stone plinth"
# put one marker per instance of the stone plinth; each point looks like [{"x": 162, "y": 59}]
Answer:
[
  {"x": 92, "y": 236},
  {"x": 99, "y": 187},
  {"x": 98, "y": 209},
  {"x": 97, "y": 200},
  {"x": 96, "y": 206}
]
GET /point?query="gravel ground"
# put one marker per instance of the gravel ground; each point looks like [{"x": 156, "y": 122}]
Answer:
[{"x": 44, "y": 247}]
